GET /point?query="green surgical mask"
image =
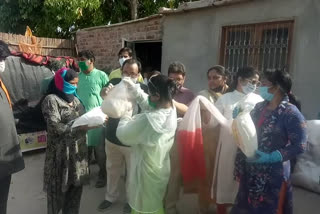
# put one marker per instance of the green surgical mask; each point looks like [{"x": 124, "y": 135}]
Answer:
[
  {"x": 83, "y": 65},
  {"x": 151, "y": 104}
]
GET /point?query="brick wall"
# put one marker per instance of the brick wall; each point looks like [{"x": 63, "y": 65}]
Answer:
[{"x": 106, "y": 41}]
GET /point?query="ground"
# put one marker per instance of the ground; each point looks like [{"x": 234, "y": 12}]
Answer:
[{"x": 26, "y": 195}]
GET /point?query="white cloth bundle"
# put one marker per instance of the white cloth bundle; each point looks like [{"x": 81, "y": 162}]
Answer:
[
  {"x": 307, "y": 170},
  {"x": 118, "y": 102},
  {"x": 244, "y": 132},
  {"x": 93, "y": 118}
]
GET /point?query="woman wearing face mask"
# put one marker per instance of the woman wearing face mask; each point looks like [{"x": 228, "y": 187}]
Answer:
[
  {"x": 265, "y": 186},
  {"x": 242, "y": 98},
  {"x": 150, "y": 135},
  {"x": 66, "y": 166},
  {"x": 217, "y": 83}
]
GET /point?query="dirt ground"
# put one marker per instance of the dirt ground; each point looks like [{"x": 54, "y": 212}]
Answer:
[{"x": 26, "y": 195}]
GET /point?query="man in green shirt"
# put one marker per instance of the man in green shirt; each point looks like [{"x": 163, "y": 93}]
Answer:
[{"x": 91, "y": 81}]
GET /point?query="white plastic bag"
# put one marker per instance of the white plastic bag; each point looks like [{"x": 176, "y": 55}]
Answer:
[
  {"x": 117, "y": 102},
  {"x": 244, "y": 132},
  {"x": 307, "y": 170},
  {"x": 95, "y": 117}
]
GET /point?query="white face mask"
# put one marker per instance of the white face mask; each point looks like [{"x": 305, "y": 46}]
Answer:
[
  {"x": 2, "y": 66},
  {"x": 122, "y": 60},
  {"x": 249, "y": 88},
  {"x": 134, "y": 80}
]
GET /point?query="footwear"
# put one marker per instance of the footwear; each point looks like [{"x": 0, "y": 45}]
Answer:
[
  {"x": 104, "y": 205},
  {"x": 126, "y": 209},
  {"x": 101, "y": 182}
]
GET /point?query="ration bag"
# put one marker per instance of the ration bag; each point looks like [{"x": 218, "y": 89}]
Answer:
[
  {"x": 117, "y": 102},
  {"x": 93, "y": 118},
  {"x": 244, "y": 133}
]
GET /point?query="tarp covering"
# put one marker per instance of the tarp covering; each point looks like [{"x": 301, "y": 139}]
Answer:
[{"x": 23, "y": 81}]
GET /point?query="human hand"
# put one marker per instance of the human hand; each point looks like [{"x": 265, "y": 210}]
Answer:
[
  {"x": 262, "y": 157},
  {"x": 105, "y": 91},
  {"x": 129, "y": 83}
]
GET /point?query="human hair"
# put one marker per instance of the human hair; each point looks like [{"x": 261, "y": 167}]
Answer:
[
  {"x": 125, "y": 49},
  {"x": 177, "y": 68},
  {"x": 88, "y": 54},
  {"x": 4, "y": 50},
  {"x": 220, "y": 70},
  {"x": 244, "y": 73},
  {"x": 131, "y": 62},
  {"x": 165, "y": 87},
  {"x": 282, "y": 79}
]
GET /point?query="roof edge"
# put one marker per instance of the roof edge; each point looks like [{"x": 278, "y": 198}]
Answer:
[
  {"x": 122, "y": 23},
  {"x": 202, "y": 4}
]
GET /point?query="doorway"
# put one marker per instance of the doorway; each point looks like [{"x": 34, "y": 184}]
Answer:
[{"x": 149, "y": 53}]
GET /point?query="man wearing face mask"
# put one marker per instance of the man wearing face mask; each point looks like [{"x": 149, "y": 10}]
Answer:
[
  {"x": 182, "y": 98},
  {"x": 11, "y": 160},
  {"x": 91, "y": 81},
  {"x": 123, "y": 55},
  {"x": 242, "y": 98},
  {"x": 118, "y": 154}
]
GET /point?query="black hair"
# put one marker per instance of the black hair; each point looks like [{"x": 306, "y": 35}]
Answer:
[
  {"x": 244, "y": 73},
  {"x": 4, "y": 50},
  {"x": 177, "y": 68},
  {"x": 131, "y": 62},
  {"x": 220, "y": 70},
  {"x": 88, "y": 54},
  {"x": 282, "y": 79},
  {"x": 125, "y": 49},
  {"x": 162, "y": 85}
]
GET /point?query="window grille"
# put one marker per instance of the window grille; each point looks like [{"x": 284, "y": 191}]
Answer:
[{"x": 263, "y": 45}]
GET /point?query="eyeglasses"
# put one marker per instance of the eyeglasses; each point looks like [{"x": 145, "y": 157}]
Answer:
[{"x": 254, "y": 82}]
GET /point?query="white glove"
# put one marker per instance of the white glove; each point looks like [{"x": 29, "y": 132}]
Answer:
[
  {"x": 105, "y": 91},
  {"x": 132, "y": 87}
]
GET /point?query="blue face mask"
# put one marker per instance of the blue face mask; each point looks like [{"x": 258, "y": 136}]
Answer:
[{"x": 263, "y": 91}]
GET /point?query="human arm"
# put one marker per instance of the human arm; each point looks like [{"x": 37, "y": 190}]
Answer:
[
  {"x": 295, "y": 129},
  {"x": 181, "y": 108},
  {"x": 133, "y": 130}
]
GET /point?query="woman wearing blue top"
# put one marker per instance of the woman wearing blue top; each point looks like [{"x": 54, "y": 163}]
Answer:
[{"x": 265, "y": 186}]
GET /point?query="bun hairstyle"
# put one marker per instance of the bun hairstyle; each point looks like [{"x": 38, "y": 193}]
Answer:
[
  {"x": 162, "y": 85},
  {"x": 282, "y": 79}
]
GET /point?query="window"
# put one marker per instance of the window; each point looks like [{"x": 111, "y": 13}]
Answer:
[{"x": 263, "y": 45}]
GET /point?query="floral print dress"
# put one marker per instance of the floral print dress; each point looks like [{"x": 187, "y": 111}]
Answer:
[
  {"x": 66, "y": 162},
  {"x": 282, "y": 129}
]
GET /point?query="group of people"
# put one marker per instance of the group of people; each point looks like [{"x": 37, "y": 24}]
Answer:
[{"x": 142, "y": 146}]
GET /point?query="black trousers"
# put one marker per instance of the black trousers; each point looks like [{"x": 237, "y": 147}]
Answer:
[{"x": 4, "y": 192}]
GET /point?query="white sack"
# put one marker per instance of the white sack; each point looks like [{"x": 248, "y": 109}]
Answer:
[
  {"x": 244, "y": 132},
  {"x": 117, "y": 102},
  {"x": 95, "y": 117},
  {"x": 307, "y": 169}
]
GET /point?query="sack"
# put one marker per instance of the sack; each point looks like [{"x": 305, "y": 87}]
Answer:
[
  {"x": 307, "y": 169},
  {"x": 244, "y": 132},
  {"x": 95, "y": 117},
  {"x": 117, "y": 102}
]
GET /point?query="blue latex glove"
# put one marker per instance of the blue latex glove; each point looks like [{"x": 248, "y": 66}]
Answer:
[
  {"x": 235, "y": 112},
  {"x": 263, "y": 157}
]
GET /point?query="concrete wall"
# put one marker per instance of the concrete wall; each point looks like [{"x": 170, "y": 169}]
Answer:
[
  {"x": 194, "y": 39},
  {"x": 106, "y": 41}
]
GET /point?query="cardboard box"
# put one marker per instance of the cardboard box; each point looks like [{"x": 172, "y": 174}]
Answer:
[{"x": 33, "y": 141}]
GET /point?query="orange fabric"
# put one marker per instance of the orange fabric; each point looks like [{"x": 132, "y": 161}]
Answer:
[
  {"x": 6, "y": 92},
  {"x": 282, "y": 198}
]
